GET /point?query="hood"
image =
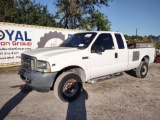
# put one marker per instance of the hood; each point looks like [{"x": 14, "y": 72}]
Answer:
[{"x": 45, "y": 53}]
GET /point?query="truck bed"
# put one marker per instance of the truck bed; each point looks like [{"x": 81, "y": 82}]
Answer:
[{"x": 135, "y": 53}]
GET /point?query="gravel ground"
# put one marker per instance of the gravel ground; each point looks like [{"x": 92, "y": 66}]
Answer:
[{"x": 121, "y": 98}]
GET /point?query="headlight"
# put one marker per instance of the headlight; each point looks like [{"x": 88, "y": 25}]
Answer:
[{"x": 43, "y": 66}]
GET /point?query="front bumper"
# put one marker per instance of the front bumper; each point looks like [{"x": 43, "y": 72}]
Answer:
[{"x": 37, "y": 80}]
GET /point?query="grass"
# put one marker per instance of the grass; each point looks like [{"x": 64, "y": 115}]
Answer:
[{"x": 8, "y": 70}]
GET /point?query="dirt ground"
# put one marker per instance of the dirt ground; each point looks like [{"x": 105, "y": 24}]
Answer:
[{"x": 121, "y": 98}]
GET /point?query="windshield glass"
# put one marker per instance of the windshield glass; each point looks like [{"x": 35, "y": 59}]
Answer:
[{"x": 79, "y": 40}]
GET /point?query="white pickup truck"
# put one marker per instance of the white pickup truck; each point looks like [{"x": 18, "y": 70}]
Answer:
[{"x": 83, "y": 57}]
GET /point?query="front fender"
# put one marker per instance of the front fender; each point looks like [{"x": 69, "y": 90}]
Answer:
[{"x": 62, "y": 65}]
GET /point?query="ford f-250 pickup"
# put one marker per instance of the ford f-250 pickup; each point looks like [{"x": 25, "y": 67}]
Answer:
[{"x": 83, "y": 57}]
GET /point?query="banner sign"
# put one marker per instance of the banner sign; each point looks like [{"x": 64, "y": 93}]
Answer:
[{"x": 17, "y": 38}]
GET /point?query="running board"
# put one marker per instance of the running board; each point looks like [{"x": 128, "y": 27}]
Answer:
[{"x": 100, "y": 79}]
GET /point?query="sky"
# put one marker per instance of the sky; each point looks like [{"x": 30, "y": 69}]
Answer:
[{"x": 128, "y": 15}]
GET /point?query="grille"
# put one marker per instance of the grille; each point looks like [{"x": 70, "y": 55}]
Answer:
[{"x": 28, "y": 62}]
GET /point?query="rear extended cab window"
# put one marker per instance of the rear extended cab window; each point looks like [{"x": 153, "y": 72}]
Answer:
[{"x": 119, "y": 41}]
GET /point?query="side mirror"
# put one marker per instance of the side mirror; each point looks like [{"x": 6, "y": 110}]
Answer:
[{"x": 98, "y": 49}]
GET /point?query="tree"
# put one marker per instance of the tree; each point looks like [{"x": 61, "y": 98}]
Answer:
[
  {"x": 140, "y": 38},
  {"x": 98, "y": 21},
  {"x": 127, "y": 37},
  {"x": 72, "y": 12},
  {"x": 150, "y": 37},
  {"x": 7, "y": 10},
  {"x": 34, "y": 13},
  {"x": 156, "y": 44},
  {"x": 26, "y": 12}
]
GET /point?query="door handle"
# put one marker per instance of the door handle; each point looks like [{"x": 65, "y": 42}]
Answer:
[{"x": 116, "y": 55}]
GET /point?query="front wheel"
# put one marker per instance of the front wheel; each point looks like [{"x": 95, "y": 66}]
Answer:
[
  {"x": 142, "y": 70},
  {"x": 68, "y": 86}
]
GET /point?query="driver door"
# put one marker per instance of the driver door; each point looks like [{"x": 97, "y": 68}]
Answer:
[{"x": 103, "y": 63}]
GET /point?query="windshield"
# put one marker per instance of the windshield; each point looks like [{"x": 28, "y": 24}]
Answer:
[{"x": 79, "y": 40}]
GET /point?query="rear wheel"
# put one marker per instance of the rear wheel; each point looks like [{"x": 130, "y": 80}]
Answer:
[
  {"x": 142, "y": 70},
  {"x": 68, "y": 86}
]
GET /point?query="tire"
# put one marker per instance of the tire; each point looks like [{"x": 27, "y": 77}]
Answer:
[
  {"x": 142, "y": 70},
  {"x": 67, "y": 87}
]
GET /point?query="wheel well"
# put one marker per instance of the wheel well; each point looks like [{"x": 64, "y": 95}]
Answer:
[
  {"x": 146, "y": 59},
  {"x": 75, "y": 69}
]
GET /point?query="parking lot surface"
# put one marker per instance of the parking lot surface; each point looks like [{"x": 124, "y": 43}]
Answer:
[{"x": 122, "y": 98}]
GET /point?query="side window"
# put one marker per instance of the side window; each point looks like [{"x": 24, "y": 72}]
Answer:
[
  {"x": 104, "y": 40},
  {"x": 119, "y": 41}
]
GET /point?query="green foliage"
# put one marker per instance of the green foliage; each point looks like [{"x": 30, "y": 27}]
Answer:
[
  {"x": 77, "y": 14},
  {"x": 25, "y": 12},
  {"x": 157, "y": 44},
  {"x": 7, "y": 10},
  {"x": 97, "y": 21},
  {"x": 143, "y": 39},
  {"x": 139, "y": 38},
  {"x": 74, "y": 14}
]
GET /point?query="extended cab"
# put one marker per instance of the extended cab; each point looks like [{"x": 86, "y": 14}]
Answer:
[{"x": 83, "y": 57}]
